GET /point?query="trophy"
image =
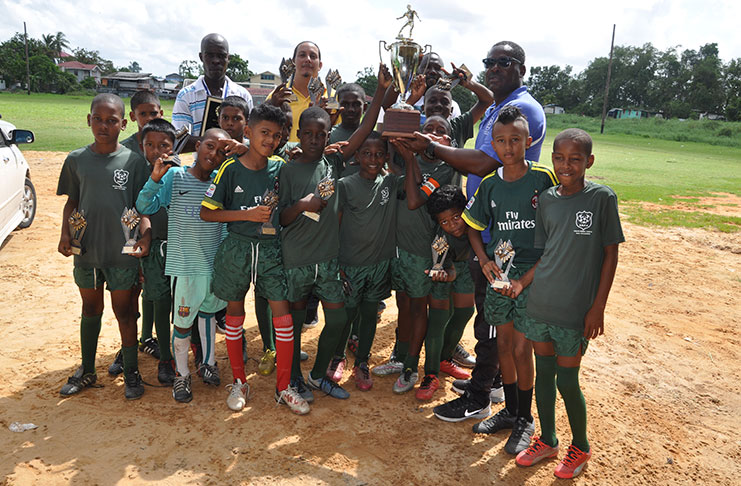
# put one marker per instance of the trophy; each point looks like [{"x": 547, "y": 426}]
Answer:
[
  {"x": 333, "y": 80},
  {"x": 440, "y": 249},
  {"x": 402, "y": 120},
  {"x": 287, "y": 71},
  {"x": 503, "y": 253},
  {"x": 316, "y": 90},
  {"x": 77, "y": 227},
  {"x": 130, "y": 224},
  {"x": 324, "y": 189},
  {"x": 269, "y": 199},
  {"x": 181, "y": 138},
  {"x": 210, "y": 114},
  {"x": 448, "y": 82}
]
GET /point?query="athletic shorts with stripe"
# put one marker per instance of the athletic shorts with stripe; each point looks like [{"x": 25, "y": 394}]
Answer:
[
  {"x": 156, "y": 284},
  {"x": 191, "y": 295},
  {"x": 368, "y": 282},
  {"x": 408, "y": 274},
  {"x": 323, "y": 278}
]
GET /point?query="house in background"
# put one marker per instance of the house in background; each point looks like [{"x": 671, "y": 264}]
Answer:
[
  {"x": 81, "y": 71},
  {"x": 125, "y": 84},
  {"x": 619, "y": 113},
  {"x": 174, "y": 78},
  {"x": 265, "y": 79},
  {"x": 551, "y": 109}
]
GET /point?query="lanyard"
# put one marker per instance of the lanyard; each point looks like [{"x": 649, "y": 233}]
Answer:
[{"x": 226, "y": 88}]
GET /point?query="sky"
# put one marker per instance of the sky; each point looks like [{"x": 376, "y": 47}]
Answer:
[{"x": 159, "y": 37}]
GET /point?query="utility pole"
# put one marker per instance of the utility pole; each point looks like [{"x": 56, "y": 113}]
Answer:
[
  {"x": 607, "y": 84},
  {"x": 28, "y": 69}
]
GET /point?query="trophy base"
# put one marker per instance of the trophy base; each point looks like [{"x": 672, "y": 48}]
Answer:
[
  {"x": 332, "y": 105},
  {"x": 268, "y": 230},
  {"x": 129, "y": 250},
  {"x": 434, "y": 273},
  {"x": 501, "y": 284},
  {"x": 400, "y": 123},
  {"x": 310, "y": 215},
  {"x": 76, "y": 250}
]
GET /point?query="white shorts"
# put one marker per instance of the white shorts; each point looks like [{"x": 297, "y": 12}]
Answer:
[{"x": 191, "y": 295}]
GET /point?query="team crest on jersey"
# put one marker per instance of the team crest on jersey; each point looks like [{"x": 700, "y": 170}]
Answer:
[
  {"x": 210, "y": 190},
  {"x": 385, "y": 194},
  {"x": 184, "y": 311},
  {"x": 583, "y": 222},
  {"x": 120, "y": 178},
  {"x": 534, "y": 201},
  {"x": 470, "y": 203}
]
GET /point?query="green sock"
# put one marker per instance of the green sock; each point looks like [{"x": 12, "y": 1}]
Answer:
[
  {"x": 434, "y": 339},
  {"x": 265, "y": 323},
  {"x": 352, "y": 313},
  {"x": 355, "y": 328},
  {"x": 89, "y": 331},
  {"x": 367, "y": 330},
  {"x": 402, "y": 349},
  {"x": 162, "y": 325},
  {"x": 298, "y": 316},
  {"x": 130, "y": 362},
  {"x": 454, "y": 330},
  {"x": 545, "y": 397},
  {"x": 147, "y": 319},
  {"x": 411, "y": 362},
  {"x": 576, "y": 407},
  {"x": 334, "y": 321}
]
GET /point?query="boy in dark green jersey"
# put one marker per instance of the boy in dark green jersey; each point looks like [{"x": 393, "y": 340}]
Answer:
[
  {"x": 578, "y": 227},
  {"x": 100, "y": 182},
  {"x": 351, "y": 98},
  {"x": 233, "y": 116},
  {"x": 243, "y": 195},
  {"x": 310, "y": 235},
  {"x": 508, "y": 199}
]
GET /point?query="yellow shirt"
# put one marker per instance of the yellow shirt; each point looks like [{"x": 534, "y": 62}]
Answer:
[{"x": 298, "y": 107}]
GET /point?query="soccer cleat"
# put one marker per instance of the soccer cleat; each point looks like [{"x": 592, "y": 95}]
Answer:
[
  {"x": 312, "y": 323},
  {"x": 495, "y": 396},
  {"x": 499, "y": 421},
  {"x": 537, "y": 452},
  {"x": 462, "y": 357},
  {"x": 300, "y": 385},
  {"x": 116, "y": 368},
  {"x": 210, "y": 374},
  {"x": 238, "y": 393},
  {"x": 460, "y": 386},
  {"x": 452, "y": 369},
  {"x": 133, "y": 388},
  {"x": 166, "y": 372},
  {"x": 267, "y": 363},
  {"x": 406, "y": 381},
  {"x": 381, "y": 308},
  {"x": 181, "y": 391},
  {"x": 303, "y": 355},
  {"x": 427, "y": 388},
  {"x": 77, "y": 382},
  {"x": 460, "y": 409},
  {"x": 328, "y": 386},
  {"x": 352, "y": 344},
  {"x": 519, "y": 439},
  {"x": 573, "y": 463},
  {"x": 389, "y": 368},
  {"x": 363, "y": 379},
  {"x": 293, "y": 400},
  {"x": 336, "y": 369},
  {"x": 150, "y": 346}
]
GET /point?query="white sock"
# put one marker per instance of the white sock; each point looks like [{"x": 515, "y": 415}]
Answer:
[
  {"x": 207, "y": 329},
  {"x": 180, "y": 347}
]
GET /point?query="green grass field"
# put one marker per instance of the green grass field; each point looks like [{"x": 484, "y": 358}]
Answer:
[{"x": 640, "y": 159}]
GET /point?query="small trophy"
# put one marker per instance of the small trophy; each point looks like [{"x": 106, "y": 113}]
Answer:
[
  {"x": 269, "y": 199},
  {"x": 440, "y": 249},
  {"x": 448, "y": 82},
  {"x": 77, "y": 226},
  {"x": 287, "y": 71},
  {"x": 316, "y": 90},
  {"x": 333, "y": 80},
  {"x": 130, "y": 224},
  {"x": 324, "y": 189},
  {"x": 503, "y": 253}
]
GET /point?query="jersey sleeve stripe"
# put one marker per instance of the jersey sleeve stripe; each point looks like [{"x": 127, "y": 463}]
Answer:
[
  {"x": 221, "y": 170},
  {"x": 477, "y": 225},
  {"x": 211, "y": 204},
  {"x": 551, "y": 175}
]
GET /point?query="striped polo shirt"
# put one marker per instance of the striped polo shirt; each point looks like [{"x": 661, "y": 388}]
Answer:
[{"x": 191, "y": 102}]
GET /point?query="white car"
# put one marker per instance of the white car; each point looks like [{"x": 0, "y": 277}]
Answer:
[{"x": 17, "y": 194}]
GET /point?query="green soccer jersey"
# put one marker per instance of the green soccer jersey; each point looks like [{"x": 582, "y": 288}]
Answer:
[
  {"x": 103, "y": 185},
  {"x": 461, "y": 129},
  {"x": 342, "y": 134},
  {"x": 368, "y": 226},
  {"x": 132, "y": 143},
  {"x": 415, "y": 228},
  {"x": 236, "y": 187},
  {"x": 305, "y": 241},
  {"x": 510, "y": 207},
  {"x": 283, "y": 151},
  {"x": 573, "y": 230}
]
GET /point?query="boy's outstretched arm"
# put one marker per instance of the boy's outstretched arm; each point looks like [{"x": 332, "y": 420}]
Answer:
[
  {"x": 145, "y": 238},
  {"x": 488, "y": 267},
  {"x": 484, "y": 95},
  {"x": 157, "y": 191},
  {"x": 310, "y": 203},
  {"x": 594, "y": 321},
  {"x": 467, "y": 161},
  {"x": 257, "y": 214},
  {"x": 413, "y": 176},
  {"x": 65, "y": 246}
]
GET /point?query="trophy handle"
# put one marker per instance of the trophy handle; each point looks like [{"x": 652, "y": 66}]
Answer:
[
  {"x": 426, "y": 50},
  {"x": 380, "y": 52}
]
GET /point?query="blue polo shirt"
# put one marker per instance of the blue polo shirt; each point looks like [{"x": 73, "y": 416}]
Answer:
[{"x": 536, "y": 121}]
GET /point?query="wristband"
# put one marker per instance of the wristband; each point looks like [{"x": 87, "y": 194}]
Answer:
[{"x": 430, "y": 150}]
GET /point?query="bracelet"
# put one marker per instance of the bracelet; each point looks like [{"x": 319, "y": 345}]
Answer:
[{"x": 430, "y": 150}]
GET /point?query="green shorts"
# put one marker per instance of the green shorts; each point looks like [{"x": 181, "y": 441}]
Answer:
[
  {"x": 463, "y": 283},
  {"x": 566, "y": 342},
  {"x": 117, "y": 278},
  {"x": 408, "y": 274},
  {"x": 241, "y": 260},
  {"x": 156, "y": 284},
  {"x": 499, "y": 309},
  {"x": 191, "y": 295},
  {"x": 369, "y": 282},
  {"x": 323, "y": 278}
]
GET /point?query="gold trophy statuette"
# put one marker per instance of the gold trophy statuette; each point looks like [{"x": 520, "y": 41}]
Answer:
[
  {"x": 130, "y": 220},
  {"x": 440, "y": 249},
  {"x": 316, "y": 90},
  {"x": 324, "y": 189},
  {"x": 269, "y": 199},
  {"x": 287, "y": 70},
  {"x": 77, "y": 226},
  {"x": 503, "y": 253},
  {"x": 333, "y": 80}
]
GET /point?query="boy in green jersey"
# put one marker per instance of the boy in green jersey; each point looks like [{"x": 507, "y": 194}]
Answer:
[
  {"x": 101, "y": 182},
  {"x": 310, "y": 236},
  {"x": 508, "y": 199},
  {"x": 578, "y": 227}
]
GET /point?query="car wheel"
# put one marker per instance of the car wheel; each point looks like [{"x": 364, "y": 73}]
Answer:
[{"x": 28, "y": 204}]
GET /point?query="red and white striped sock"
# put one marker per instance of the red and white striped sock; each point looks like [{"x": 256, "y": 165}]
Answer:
[
  {"x": 234, "y": 326},
  {"x": 283, "y": 350}
]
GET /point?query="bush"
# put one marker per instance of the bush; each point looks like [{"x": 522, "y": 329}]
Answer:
[{"x": 89, "y": 83}]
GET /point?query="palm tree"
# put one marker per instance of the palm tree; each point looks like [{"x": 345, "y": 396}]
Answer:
[{"x": 54, "y": 43}]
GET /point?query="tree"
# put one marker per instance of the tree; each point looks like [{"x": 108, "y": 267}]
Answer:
[
  {"x": 706, "y": 88},
  {"x": 238, "y": 69},
  {"x": 89, "y": 83},
  {"x": 190, "y": 69},
  {"x": 368, "y": 79},
  {"x": 134, "y": 67},
  {"x": 732, "y": 87},
  {"x": 54, "y": 44},
  {"x": 463, "y": 97},
  {"x": 93, "y": 57},
  {"x": 553, "y": 85}
]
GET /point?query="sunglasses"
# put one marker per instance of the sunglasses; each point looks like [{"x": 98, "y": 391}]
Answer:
[{"x": 504, "y": 62}]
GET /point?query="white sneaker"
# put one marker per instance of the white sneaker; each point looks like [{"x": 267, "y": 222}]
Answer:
[
  {"x": 389, "y": 368},
  {"x": 497, "y": 395},
  {"x": 406, "y": 381},
  {"x": 293, "y": 400},
  {"x": 237, "y": 395}
]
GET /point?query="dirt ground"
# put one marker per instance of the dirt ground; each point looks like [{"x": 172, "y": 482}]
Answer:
[{"x": 662, "y": 388}]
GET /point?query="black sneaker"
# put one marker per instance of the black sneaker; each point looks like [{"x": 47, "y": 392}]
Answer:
[
  {"x": 460, "y": 386},
  {"x": 460, "y": 409},
  {"x": 150, "y": 346},
  {"x": 166, "y": 372},
  {"x": 519, "y": 439},
  {"x": 133, "y": 388},
  {"x": 463, "y": 358},
  {"x": 77, "y": 382},
  {"x": 220, "y": 318},
  {"x": 499, "y": 421},
  {"x": 210, "y": 374},
  {"x": 116, "y": 368},
  {"x": 495, "y": 396},
  {"x": 303, "y": 355},
  {"x": 181, "y": 391}
]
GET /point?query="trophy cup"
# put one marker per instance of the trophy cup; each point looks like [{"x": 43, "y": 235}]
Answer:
[
  {"x": 130, "y": 224},
  {"x": 316, "y": 90},
  {"x": 269, "y": 199},
  {"x": 402, "y": 120},
  {"x": 333, "y": 80},
  {"x": 77, "y": 226},
  {"x": 324, "y": 189},
  {"x": 287, "y": 71},
  {"x": 503, "y": 253},
  {"x": 440, "y": 249}
]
